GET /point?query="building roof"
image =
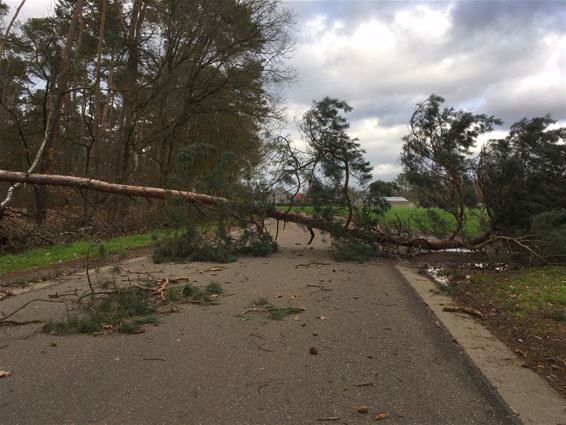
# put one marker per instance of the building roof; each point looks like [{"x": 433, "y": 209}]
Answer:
[{"x": 395, "y": 199}]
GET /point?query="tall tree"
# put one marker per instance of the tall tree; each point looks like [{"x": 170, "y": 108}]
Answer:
[
  {"x": 339, "y": 156},
  {"x": 437, "y": 157},
  {"x": 524, "y": 174}
]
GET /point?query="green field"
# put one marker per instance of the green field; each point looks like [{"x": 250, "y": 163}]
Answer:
[
  {"x": 42, "y": 257},
  {"x": 414, "y": 218}
]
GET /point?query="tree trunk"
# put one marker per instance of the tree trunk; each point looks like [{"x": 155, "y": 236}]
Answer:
[
  {"x": 95, "y": 148},
  {"x": 212, "y": 201},
  {"x": 54, "y": 121}
]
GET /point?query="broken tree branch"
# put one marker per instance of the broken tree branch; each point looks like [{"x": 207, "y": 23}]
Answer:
[{"x": 376, "y": 236}]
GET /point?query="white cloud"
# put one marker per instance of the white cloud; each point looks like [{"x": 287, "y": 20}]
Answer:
[{"x": 423, "y": 22}]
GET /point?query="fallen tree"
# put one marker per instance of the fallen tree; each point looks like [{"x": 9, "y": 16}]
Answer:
[
  {"x": 376, "y": 235},
  {"x": 333, "y": 173}
]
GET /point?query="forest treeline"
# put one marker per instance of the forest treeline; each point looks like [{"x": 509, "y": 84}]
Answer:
[{"x": 119, "y": 90}]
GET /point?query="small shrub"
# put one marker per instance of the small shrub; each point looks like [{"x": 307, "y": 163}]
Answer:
[
  {"x": 346, "y": 249},
  {"x": 214, "y": 288},
  {"x": 191, "y": 246},
  {"x": 550, "y": 230},
  {"x": 188, "y": 291},
  {"x": 258, "y": 246}
]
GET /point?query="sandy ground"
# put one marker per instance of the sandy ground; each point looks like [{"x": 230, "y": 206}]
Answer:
[{"x": 377, "y": 346}]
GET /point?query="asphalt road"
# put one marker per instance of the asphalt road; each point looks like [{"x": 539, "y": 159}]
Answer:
[{"x": 377, "y": 346}]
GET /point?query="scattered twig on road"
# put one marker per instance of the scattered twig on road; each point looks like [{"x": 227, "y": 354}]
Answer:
[
  {"x": 158, "y": 359},
  {"x": 329, "y": 419},
  {"x": 3, "y": 318},
  {"x": 314, "y": 263},
  {"x": 17, "y": 323},
  {"x": 263, "y": 386}
]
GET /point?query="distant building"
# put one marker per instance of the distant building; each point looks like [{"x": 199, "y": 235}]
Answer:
[
  {"x": 399, "y": 201},
  {"x": 281, "y": 196}
]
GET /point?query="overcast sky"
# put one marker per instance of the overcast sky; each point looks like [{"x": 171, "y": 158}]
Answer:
[{"x": 506, "y": 58}]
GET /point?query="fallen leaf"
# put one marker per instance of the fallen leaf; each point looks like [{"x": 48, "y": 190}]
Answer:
[
  {"x": 322, "y": 317},
  {"x": 313, "y": 351},
  {"x": 363, "y": 409},
  {"x": 297, "y": 318},
  {"x": 381, "y": 416},
  {"x": 5, "y": 373}
]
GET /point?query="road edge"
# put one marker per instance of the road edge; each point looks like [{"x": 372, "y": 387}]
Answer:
[{"x": 525, "y": 393}]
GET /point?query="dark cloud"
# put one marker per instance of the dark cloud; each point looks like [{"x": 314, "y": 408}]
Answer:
[{"x": 471, "y": 17}]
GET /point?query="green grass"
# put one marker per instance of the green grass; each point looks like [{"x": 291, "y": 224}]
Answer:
[
  {"x": 526, "y": 294},
  {"x": 41, "y": 257},
  {"x": 412, "y": 217}
]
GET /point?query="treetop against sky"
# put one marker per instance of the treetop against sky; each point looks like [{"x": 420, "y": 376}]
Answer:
[{"x": 494, "y": 57}]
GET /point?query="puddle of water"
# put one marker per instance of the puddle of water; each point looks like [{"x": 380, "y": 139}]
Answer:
[{"x": 437, "y": 274}]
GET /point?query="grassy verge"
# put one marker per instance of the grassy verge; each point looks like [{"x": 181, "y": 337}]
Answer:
[
  {"x": 42, "y": 257},
  {"x": 414, "y": 217},
  {"x": 527, "y": 310},
  {"x": 526, "y": 295}
]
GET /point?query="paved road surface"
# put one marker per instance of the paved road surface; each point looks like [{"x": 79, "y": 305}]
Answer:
[{"x": 377, "y": 346}]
